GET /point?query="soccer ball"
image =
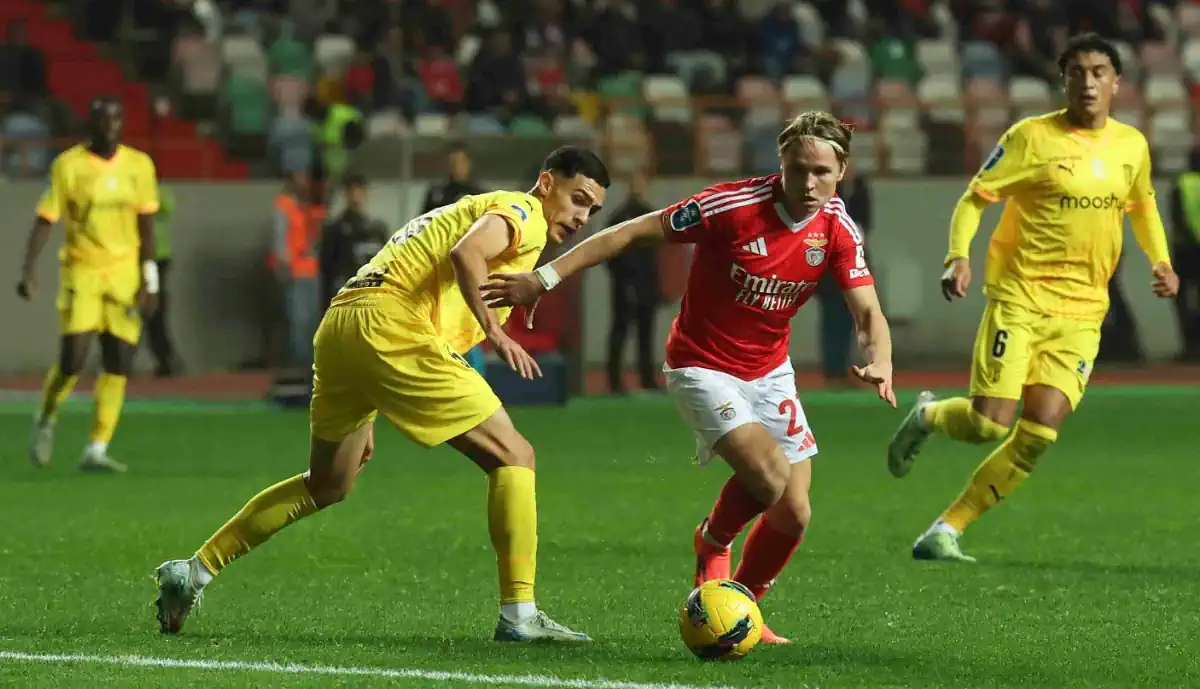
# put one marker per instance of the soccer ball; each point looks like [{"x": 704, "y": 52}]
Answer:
[{"x": 720, "y": 621}]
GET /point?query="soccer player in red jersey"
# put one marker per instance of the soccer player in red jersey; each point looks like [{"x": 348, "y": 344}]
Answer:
[{"x": 761, "y": 246}]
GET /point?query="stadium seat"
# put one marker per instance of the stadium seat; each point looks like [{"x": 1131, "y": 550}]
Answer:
[
  {"x": 431, "y": 124},
  {"x": 900, "y": 120},
  {"x": 850, "y": 87},
  {"x": 528, "y": 126},
  {"x": 804, "y": 93},
  {"x": 333, "y": 53},
  {"x": 199, "y": 65},
  {"x": 760, "y": 100},
  {"x": 627, "y": 142},
  {"x": 940, "y": 95},
  {"x": 287, "y": 55},
  {"x": 386, "y": 124},
  {"x": 572, "y": 127},
  {"x": 1128, "y": 106},
  {"x": 986, "y": 102},
  {"x": 1191, "y": 58},
  {"x": 248, "y": 103},
  {"x": 943, "y": 17},
  {"x": 937, "y": 57},
  {"x": 1131, "y": 66},
  {"x": 982, "y": 60},
  {"x": 1171, "y": 140},
  {"x": 721, "y": 144},
  {"x": 1029, "y": 92},
  {"x": 468, "y": 47},
  {"x": 699, "y": 69},
  {"x": 1164, "y": 91},
  {"x": 1189, "y": 19},
  {"x": 1159, "y": 59},
  {"x": 484, "y": 125},
  {"x": 851, "y": 53},
  {"x": 624, "y": 88},
  {"x": 668, "y": 97},
  {"x": 812, "y": 26},
  {"x": 907, "y": 152},
  {"x": 865, "y": 148},
  {"x": 243, "y": 56}
]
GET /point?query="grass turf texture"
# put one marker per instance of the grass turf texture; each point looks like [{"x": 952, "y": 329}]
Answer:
[{"x": 1087, "y": 575}]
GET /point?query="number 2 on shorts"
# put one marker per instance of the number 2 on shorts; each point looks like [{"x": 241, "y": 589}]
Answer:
[{"x": 789, "y": 407}]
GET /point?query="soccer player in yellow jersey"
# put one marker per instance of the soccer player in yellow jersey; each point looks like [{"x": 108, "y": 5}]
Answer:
[
  {"x": 392, "y": 342},
  {"x": 1068, "y": 178},
  {"x": 106, "y": 195}
]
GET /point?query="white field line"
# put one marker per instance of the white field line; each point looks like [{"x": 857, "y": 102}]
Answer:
[{"x": 298, "y": 669}]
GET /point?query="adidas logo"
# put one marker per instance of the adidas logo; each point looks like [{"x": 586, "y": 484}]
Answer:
[{"x": 758, "y": 247}]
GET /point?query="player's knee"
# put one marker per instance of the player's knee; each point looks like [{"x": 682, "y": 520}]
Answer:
[
  {"x": 986, "y": 429},
  {"x": 792, "y": 514},
  {"x": 517, "y": 452},
  {"x": 1030, "y": 441},
  {"x": 327, "y": 489},
  {"x": 768, "y": 480}
]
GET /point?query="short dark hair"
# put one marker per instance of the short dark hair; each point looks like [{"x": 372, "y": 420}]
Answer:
[
  {"x": 569, "y": 161},
  {"x": 354, "y": 180},
  {"x": 1089, "y": 43},
  {"x": 456, "y": 147}
]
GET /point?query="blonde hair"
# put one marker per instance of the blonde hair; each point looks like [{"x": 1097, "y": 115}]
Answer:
[{"x": 818, "y": 125}]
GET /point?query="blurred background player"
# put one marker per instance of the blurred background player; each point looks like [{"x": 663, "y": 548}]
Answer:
[
  {"x": 458, "y": 183},
  {"x": 1071, "y": 175},
  {"x": 1185, "y": 221},
  {"x": 106, "y": 195},
  {"x": 635, "y": 295},
  {"x": 350, "y": 240},
  {"x": 391, "y": 343},
  {"x": 295, "y": 233},
  {"x": 158, "y": 333},
  {"x": 761, "y": 247}
]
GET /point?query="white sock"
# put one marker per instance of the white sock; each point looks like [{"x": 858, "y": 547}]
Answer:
[
  {"x": 200, "y": 573},
  {"x": 943, "y": 527},
  {"x": 709, "y": 539},
  {"x": 515, "y": 612},
  {"x": 97, "y": 448}
]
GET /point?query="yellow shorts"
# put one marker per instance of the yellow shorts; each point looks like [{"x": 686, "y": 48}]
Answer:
[
  {"x": 1017, "y": 347},
  {"x": 370, "y": 357},
  {"x": 100, "y": 301}
]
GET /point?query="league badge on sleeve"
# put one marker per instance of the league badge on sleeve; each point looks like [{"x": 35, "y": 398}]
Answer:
[
  {"x": 686, "y": 216},
  {"x": 994, "y": 158},
  {"x": 521, "y": 212}
]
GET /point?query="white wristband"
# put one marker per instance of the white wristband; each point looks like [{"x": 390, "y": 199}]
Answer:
[
  {"x": 548, "y": 276},
  {"x": 150, "y": 276}
]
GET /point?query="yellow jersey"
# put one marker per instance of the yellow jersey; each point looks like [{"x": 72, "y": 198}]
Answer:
[
  {"x": 1067, "y": 189},
  {"x": 415, "y": 263},
  {"x": 99, "y": 201}
]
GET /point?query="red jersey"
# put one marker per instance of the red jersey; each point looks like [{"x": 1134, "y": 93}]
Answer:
[{"x": 753, "y": 267}]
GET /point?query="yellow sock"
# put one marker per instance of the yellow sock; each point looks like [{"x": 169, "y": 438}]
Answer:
[
  {"x": 266, "y": 513},
  {"x": 109, "y": 396},
  {"x": 55, "y": 390},
  {"x": 1001, "y": 473},
  {"x": 958, "y": 419},
  {"x": 512, "y": 522}
]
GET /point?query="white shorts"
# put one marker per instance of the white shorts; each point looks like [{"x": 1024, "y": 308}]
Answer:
[{"x": 714, "y": 403}]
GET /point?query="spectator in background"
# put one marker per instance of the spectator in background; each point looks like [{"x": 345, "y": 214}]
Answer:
[
  {"x": 350, "y": 240},
  {"x": 458, "y": 183},
  {"x": 669, "y": 26},
  {"x": 783, "y": 51},
  {"x": 166, "y": 361},
  {"x": 396, "y": 83},
  {"x": 1185, "y": 233},
  {"x": 24, "y": 134},
  {"x": 616, "y": 38},
  {"x": 635, "y": 295},
  {"x": 837, "y": 325},
  {"x": 496, "y": 84},
  {"x": 725, "y": 32},
  {"x": 1041, "y": 34},
  {"x": 22, "y": 66},
  {"x": 543, "y": 28},
  {"x": 296, "y": 267}
]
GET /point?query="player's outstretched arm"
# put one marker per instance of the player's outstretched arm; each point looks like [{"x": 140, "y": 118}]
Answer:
[
  {"x": 39, "y": 234},
  {"x": 490, "y": 236},
  {"x": 964, "y": 224},
  {"x": 874, "y": 339},
  {"x": 1151, "y": 235},
  {"x": 525, "y": 289}
]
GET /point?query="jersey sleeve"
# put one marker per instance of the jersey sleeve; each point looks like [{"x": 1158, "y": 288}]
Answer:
[
  {"x": 53, "y": 202},
  {"x": 849, "y": 260},
  {"x": 529, "y": 227},
  {"x": 1010, "y": 165},
  {"x": 1141, "y": 194},
  {"x": 147, "y": 189},
  {"x": 698, "y": 217}
]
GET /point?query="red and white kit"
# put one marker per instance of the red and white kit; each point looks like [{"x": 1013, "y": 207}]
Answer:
[{"x": 753, "y": 267}]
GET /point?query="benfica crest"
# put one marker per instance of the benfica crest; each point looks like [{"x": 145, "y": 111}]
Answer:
[{"x": 815, "y": 254}]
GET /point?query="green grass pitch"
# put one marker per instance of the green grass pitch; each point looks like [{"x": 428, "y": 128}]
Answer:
[{"x": 1088, "y": 576}]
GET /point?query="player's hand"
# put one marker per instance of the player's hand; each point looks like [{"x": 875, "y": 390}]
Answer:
[
  {"x": 147, "y": 303},
  {"x": 956, "y": 279},
  {"x": 879, "y": 375},
  {"x": 515, "y": 355},
  {"x": 27, "y": 287},
  {"x": 511, "y": 289},
  {"x": 369, "y": 447},
  {"x": 1165, "y": 282}
]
